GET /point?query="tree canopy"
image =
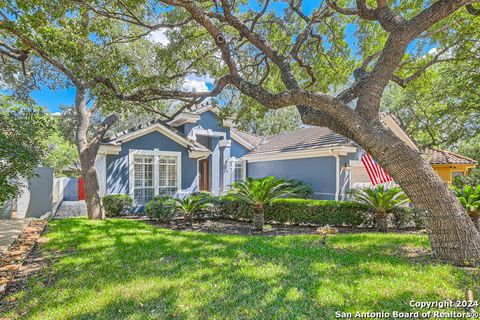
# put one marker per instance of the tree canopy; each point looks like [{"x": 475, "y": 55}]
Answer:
[{"x": 22, "y": 148}]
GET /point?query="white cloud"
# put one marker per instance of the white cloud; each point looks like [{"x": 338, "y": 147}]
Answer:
[
  {"x": 197, "y": 84},
  {"x": 159, "y": 36},
  {"x": 56, "y": 114}
]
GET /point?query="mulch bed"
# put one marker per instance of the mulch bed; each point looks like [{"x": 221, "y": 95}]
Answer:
[
  {"x": 20, "y": 249},
  {"x": 226, "y": 226}
]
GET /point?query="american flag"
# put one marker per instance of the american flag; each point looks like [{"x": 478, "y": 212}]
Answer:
[{"x": 375, "y": 172}]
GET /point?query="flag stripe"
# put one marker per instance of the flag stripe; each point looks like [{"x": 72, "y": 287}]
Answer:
[{"x": 375, "y": 172}]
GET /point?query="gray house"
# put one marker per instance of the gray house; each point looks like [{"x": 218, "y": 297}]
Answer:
[{"x": 198, "y": 152}]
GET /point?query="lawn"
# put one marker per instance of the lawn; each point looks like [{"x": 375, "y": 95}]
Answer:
[{"x": 124, "y": 269}]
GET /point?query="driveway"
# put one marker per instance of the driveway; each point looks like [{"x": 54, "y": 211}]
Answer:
[{"x": 70, "y": 209}]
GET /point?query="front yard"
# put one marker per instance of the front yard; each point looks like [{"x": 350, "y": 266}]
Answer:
[{"x": 124, "y": 269}]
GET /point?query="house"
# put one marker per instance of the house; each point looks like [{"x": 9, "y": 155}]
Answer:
[{"x": 197, "y": 151}]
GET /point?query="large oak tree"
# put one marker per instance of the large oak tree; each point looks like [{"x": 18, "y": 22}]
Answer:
[{"x": 285, "y": 54}]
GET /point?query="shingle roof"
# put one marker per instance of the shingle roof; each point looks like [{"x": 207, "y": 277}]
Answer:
[
  {"x": 117, "y": 137},
  {"x": 436, "y": 156},
  {"x": 251, "y": 138},
  {"x": 306, "y": 138}
]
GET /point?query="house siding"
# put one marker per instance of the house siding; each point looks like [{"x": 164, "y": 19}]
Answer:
[
  {"x": 318, "y": 172},
  {"x": 117, "y": 165}
]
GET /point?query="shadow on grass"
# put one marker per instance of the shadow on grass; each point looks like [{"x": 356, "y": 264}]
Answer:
[{"x": 120, "y": 269}]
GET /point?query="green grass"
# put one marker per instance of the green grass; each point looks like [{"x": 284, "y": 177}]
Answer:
[{"x": 120, "y": 269}]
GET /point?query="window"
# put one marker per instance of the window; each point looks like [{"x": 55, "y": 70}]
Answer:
[
  {"x": 152, "y": 173},
  {"x": 143, "y": 184},
  {"x": 167, "y": 175},
  {"x": 238, "y": 170},
  {"x": 457, "y": 173}
]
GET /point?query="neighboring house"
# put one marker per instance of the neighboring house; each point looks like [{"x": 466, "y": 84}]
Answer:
[{"x": 198, "y": 152}]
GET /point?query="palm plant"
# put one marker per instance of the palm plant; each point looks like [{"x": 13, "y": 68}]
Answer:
[
  {"x": 191, "y": 205},
  {"x": 258, "y": 193},
  {"x": 383, "y": 201},
  {"x": 469, "y": 197}
]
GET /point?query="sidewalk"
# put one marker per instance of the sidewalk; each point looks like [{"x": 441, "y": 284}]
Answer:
[{"x": 9, "y": 231}]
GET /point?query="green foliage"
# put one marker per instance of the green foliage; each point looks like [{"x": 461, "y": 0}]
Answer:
[
  {"x": 469, "y": 197},
  {"x": 23, "y": 129},
  {"x": 300, "y": 211},
  {"x": 116, "y": 204},
  {"x": 144, "y": 272},
  {"x": 299, "y": 189},
  {"x": 192, "y": 205},
  {"x": 381, "y": 199},
  {"x": 471, "y": 179},
  {"x": 61, "y": 155},
  {"x": 260, "y": 191},
  {"x": 160, "y": 208}
]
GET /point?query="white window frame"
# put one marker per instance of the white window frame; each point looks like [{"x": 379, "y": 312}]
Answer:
[
  {"x": 233, "y": 161},
  {"x": 156, "y": 153}
]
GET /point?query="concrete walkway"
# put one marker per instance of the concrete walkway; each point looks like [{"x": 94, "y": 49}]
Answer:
[
  {"x": 70, "y": 209},
  {"x": 9, "y": 231}
]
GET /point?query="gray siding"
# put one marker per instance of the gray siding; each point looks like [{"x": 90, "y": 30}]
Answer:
[
  {"x": 317, "y": 172},
  {"x": 117, "y": 165}
]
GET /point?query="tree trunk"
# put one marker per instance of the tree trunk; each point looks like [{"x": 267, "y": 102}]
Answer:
[
  {"x": 87, "y": 156},
  {"x": 88, "y": 152},
  {"x": 453, "y": 236},
  {"x": 93, "y": 199},
  {"x": 258, "y": 217},
  {"x": 382, "y": 221}
]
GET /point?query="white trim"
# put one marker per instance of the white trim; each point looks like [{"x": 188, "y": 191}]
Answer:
[
  {"x": 337, "y": 176},
  {"x": 242, "y": 141},
  {"x": 228, "y": 123},
  {"x": 225, "y": 143},
  {"x": 160, "y": 128},
  {"x": 109, "y": 149},
  {"x": 101, "y": 167},
  {"x": 206, "y": 132},
  {"x": 198, "y": 154},
  {"x": 300, "y": 154},
  {"x": 156, "y": 153},
  {"x": 185, "y": 117}
]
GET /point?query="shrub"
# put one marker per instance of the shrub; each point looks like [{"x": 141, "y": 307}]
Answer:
[
  {"x": 301, "y": 211},
  {"x": 471, "y": 179},
  {"x": 259, "y": 193},
  {"x": 192, "y": 205},
  {"x": 383, "y": 201},
  {"x": 469, "y": 197},
  {"x": 160, "y": 208},
  {"x": 300, "y": 189},
  {"x": 116, "y": 204}
]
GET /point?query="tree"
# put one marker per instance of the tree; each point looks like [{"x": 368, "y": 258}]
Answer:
[
  {"x": 22, "y": 130},
  {"x": 297, "y": 57},
  {"x": 62, "y": 44},
  {"x": 61, "y": 155},
  {"x": 442, "y": 108},
  {"x": 259, "y": 193},
  {"x": 383, "y": 201}
]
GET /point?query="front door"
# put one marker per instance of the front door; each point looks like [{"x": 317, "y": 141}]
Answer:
[{"x": 204, "y": 167}]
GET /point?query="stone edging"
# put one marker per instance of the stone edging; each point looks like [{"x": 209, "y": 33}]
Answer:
[{"x": 18, "y": 252}]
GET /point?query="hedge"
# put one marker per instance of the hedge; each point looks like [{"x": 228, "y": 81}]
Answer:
[
  {"x": 302, "y": 211},
  {"x": 314, "y": 212}
]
